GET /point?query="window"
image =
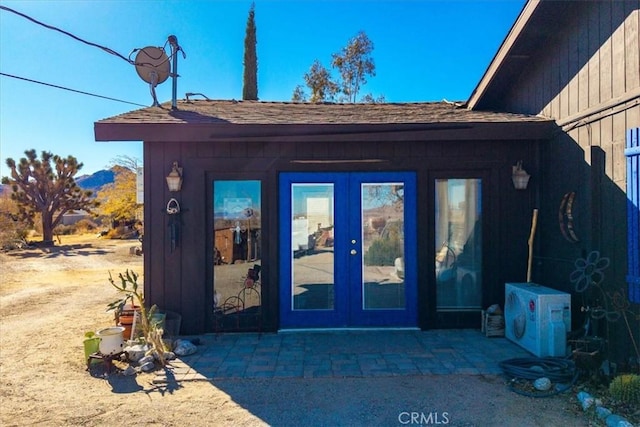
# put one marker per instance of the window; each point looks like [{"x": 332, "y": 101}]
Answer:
[
  {"x": 237, "y": 213},
  {"x": 458, "y": 245},
  {"x": 632, "y": 153}
]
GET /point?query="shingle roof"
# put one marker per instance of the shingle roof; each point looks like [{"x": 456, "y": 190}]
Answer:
[{"x": 290, "y": 113}]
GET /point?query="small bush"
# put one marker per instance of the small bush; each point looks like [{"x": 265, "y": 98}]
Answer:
[
  {"x": 384, "y": 251},
  {"x": 13, "y": 234},
  {"x": 626, "y": 388},
  {"x": 119, "y": 232},
  {"x": 85, "y": 226},
  {"x": 64, "y": 230},
  {"x": 13, "y": 231}
]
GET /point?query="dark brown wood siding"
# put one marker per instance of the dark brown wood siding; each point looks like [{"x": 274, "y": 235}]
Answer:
[
  {"x": 587, "y": 78},
  {"x": 181, "y": 280}
]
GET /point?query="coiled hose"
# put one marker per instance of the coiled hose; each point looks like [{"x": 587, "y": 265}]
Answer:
[{"x": 558, "y": 370}]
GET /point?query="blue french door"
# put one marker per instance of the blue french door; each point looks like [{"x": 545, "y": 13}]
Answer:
[{"x": 348, "y": 250}]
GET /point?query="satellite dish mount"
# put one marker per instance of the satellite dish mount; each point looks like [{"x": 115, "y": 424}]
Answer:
[{"x": 154, "y": 67}]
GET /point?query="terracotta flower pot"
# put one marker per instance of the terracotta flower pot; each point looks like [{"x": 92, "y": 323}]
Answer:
[{"x": 125, "y": 319}]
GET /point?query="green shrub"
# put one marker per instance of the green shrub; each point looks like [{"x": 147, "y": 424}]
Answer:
[
  {"x": 626, "y": 388},
  {"x": 384, "y": 251}
]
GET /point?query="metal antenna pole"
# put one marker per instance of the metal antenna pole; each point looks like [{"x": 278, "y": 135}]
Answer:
[{"x": 173, "y": 41}]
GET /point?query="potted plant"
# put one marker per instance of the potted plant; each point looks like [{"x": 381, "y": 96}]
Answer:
[{"x": 132, "y": 293}]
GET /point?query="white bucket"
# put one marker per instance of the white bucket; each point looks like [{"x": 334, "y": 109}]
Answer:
[{"x": 111, "y": 341}]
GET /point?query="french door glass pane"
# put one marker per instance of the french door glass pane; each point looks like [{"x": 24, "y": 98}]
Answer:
[
  {"x": 237, "y": 250},
  {"x": 458, "y": 244},
  {"x": 382, "y": 245},
  {"x": 312, "y": 222}
]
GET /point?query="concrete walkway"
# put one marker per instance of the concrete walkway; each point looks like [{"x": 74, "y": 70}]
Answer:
[{"x": 340, "y": 354}]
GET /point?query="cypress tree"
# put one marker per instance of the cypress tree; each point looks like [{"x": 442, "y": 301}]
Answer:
[{"x": 250, "y": 81}]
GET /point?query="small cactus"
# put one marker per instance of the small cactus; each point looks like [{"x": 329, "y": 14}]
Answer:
[{"x": 626, "y": 388}]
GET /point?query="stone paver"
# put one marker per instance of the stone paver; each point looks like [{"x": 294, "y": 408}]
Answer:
[{"x": 342, "y": 354}]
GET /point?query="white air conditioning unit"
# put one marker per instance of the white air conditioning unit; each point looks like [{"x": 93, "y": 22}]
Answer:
[{"x": 537, "y": 318}]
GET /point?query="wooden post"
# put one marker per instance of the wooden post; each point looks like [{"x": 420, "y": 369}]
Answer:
[{"x": 534, "y": 223}]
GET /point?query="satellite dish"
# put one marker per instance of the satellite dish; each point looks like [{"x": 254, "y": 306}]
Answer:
[{"x": 153, "y": 65}]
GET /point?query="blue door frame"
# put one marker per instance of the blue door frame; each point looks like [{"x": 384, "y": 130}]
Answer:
[{"x": 348, "y": 309}]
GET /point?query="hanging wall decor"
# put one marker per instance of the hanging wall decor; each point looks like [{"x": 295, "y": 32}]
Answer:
[
  {"x": 173, "y": 210},
  {"x": 565, "y": 217}
]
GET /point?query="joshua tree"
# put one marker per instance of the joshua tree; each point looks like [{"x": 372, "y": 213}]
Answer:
[{"x": 49, "y": 189}]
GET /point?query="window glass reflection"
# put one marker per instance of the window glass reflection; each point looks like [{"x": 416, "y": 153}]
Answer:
[
  {"x": 312, "y": 228},
  {"x": 237, "y": 278},
  {"x": 382, "y": 246},
  {"x": 458, "y": 244}
]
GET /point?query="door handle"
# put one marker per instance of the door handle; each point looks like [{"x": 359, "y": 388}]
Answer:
[{"x": 353, "y": 252}]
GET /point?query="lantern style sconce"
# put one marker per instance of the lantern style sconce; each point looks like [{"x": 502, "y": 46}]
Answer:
[
  {"x": 519, "y": 176},
  {"x": 174, "y": 179}
]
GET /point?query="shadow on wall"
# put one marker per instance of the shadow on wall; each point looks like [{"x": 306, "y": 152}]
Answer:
[{"x": 598, "y": 217}]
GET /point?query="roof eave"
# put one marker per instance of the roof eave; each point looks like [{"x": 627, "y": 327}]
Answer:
[
  {"x": 442, "y": 131},
  {"x": 503, "y": 52}
]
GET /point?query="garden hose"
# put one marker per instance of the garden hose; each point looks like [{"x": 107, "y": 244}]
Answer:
[{"x": 558, "y": 370}]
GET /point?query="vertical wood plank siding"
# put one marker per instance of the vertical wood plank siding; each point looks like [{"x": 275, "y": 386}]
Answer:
[
  {"x": 594, "y": 66},
  {"x": 585, "y": 74},
  {"x": 181, "y": 281}
]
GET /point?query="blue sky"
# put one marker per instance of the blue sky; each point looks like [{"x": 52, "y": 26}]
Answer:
[{"x": 424, "y": 50}]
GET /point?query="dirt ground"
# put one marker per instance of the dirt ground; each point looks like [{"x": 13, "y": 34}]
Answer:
[{"x": 50, "y": 297}]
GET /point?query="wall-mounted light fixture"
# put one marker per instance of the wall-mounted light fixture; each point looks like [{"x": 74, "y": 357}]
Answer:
[
  {"x": 174, "y": 179},
  {"x": 519, "y": 176}
]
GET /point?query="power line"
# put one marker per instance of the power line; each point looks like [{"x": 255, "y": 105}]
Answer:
[
  {"x": 50, "y": 27},
  {"x": 103, "y": 48},
  {"x": 153, "y": 66},
  {"x": 70, "y": 90}
]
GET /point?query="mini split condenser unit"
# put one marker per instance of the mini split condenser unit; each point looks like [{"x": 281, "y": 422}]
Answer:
[{"x": 537, "y": 318}]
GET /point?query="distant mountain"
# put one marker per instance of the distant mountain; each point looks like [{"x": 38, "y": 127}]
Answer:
[{"x": 95, "y": 181}]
